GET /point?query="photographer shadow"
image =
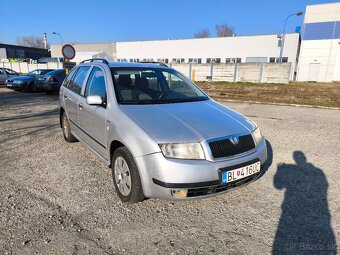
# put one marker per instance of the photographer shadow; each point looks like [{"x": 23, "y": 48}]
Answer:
[{"x": 305, "y": 223}]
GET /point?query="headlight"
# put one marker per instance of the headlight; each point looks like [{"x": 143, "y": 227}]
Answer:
[
  {"x": 257, "y": 136},
  {"x": 182, "y": 150}
]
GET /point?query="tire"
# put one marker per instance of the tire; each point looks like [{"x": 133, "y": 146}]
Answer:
[
  {"x": 125, "y": 172},
  {"x": 65, "y": 125}
]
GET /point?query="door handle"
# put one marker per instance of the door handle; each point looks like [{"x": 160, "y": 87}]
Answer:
[
  {"x": 65, "y": 96},
  {"x": 80, "y": 106}
]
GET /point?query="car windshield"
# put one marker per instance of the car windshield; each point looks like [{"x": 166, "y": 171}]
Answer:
[{"x": 153, "y": 86}]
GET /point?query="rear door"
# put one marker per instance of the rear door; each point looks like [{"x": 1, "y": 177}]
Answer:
[
  {"x": 72, "y": 94},
  {"x": 93, "y": 117}
]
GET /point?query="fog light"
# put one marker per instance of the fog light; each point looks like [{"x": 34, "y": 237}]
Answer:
[{"x": 180, "y": 193}]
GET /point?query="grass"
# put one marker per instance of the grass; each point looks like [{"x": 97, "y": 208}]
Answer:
[{"x": 315, "y": 94}]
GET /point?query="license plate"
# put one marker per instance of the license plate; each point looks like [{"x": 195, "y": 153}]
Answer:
[
  {"x": 9, "y": 85},
  {"x": 240, "y": 173}
]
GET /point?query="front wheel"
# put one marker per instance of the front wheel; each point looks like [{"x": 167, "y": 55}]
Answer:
[
  {"x": 66, "y": 129},
  {"x": 126, "y": 177}
]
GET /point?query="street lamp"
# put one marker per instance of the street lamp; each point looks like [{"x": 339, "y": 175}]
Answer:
[
  {"x": 61, "y": 38},
  {"x": 283, "y": 34}
]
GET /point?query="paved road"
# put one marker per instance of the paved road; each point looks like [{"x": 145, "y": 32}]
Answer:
[{"x": 57, "y": 198}]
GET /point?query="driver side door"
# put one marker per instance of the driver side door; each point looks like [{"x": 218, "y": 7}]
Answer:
[{"x": 93, "y": 117}]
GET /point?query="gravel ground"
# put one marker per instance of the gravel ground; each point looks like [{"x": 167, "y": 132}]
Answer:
[{"x": 57, "y": 198}]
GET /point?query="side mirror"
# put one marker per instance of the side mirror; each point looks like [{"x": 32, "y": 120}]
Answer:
[{"x": 94, "y": 100}]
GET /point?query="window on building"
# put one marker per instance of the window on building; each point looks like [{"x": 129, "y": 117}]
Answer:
[
  {"x": 233, "y": 60},
  {"x": 272, "y": 60},
  {"x": 256, "y": 59},
  {"x": 284, "y": 60}
]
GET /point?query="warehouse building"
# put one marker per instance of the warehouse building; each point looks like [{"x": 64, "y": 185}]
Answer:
[
  {"x": 320, "y": 46},
  {"x": 8, "y": 51},
  {"x": 238, "y": 49}
]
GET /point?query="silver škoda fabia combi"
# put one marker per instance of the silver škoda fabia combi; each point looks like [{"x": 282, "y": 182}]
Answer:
[{"x": 161, "y": 135}]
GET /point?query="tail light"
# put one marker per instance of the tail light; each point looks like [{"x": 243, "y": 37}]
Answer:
[{"x": 52, "y": 79}]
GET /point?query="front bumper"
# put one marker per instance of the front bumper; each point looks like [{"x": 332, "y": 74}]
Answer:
[{"x": 160, "y": 175}]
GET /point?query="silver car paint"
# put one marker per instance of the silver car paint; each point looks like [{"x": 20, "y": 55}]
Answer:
[{"x": 142, "y": 127}]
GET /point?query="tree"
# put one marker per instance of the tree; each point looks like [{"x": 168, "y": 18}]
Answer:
[
  {"x": 31, "y": 41},
  {"x": 223, "y": 30},
  {"x": 204, "y": 33}
]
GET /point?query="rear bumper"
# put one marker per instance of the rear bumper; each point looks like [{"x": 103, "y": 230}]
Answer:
[
  {"x": 160, "y": 175},
  {"x": 48, "y": 86}
]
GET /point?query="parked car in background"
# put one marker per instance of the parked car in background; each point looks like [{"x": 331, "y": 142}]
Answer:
[
  {"x": 25, "y": 82},
  {"x": 6, "y": 73},
  {"x": 161, "y": 135},
  {"x": 50, "y": 82}
]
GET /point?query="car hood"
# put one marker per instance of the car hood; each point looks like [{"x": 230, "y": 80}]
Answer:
[
  {"x": 188, "y": 122},
  {"x": 23, "y": 77}
]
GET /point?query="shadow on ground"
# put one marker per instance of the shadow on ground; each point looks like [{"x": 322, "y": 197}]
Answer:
[{"x": 305, "y": 223}]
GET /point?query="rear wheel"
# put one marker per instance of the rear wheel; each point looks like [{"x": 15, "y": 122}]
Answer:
[
  {"x": 65, "y": 124},
  {"x": 126, "y": 177}
]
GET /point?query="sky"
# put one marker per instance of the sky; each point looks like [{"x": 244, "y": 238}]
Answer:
[{"x": 83, "y": 21}]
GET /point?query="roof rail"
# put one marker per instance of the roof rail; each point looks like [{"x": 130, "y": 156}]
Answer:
[
  {"x": 153, "y": 62},
  {"x": 103, "y": 60}
]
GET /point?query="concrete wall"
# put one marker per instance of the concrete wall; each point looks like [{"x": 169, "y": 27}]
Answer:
[
  {"x": 109, "y": 48},
  {"x": 247, "y": 72},
  {"x": 24, "y": 67},
  {"x": 242, "y": 72}
]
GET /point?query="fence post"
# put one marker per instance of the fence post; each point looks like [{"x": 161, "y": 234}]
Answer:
[
  {"x": 190, "y": 67},
  {"x": 3, "y": 64},
  {"x": 46, "y": 65},
  {"x": 211, "y": 70},
  {"x": 37, "y": 65},
  {"x": 235, "y": 73},
  {"x": 19, "y": 67},
  {"x": 10, "y": 63},
  {"x": 261, "y": 72},
  {"x": 28, "y": 67}
]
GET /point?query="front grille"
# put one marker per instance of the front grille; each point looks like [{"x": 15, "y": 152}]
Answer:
[
  {"x": 221, "y": 188},
  {"x": 225, "y": 148}
]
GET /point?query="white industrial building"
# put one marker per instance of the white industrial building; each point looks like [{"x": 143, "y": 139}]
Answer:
[
  {"x": 258, "y": 48},
  {"x": 320, "y": 45},
  {"x": 238, "y": 49}
]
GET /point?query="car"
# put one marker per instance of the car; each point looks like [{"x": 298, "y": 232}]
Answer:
[
  {"x": 161, "y": 135},
  {"x": 25, "y": 82},
  {"x": 50, "y": 82},
  {"x": 6, "y": 73}
]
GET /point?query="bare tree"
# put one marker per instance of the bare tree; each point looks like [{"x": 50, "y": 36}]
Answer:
[
  {"x": 223, "y": 30},
  {"x": 204, "y": 33},
  {"x": 31, "y": 41}
]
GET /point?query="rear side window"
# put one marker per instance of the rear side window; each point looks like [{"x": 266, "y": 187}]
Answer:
[
  {"x": 77, "y": 82},
  {"x": 96, "y": 84}
]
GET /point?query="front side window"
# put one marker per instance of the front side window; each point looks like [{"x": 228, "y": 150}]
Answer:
[
  {"x": 96, "y": 84},
  {"x": 10, "y": 72},
  {"x": 154, "y": 86},
  {"x": 79, "y": 78}
]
